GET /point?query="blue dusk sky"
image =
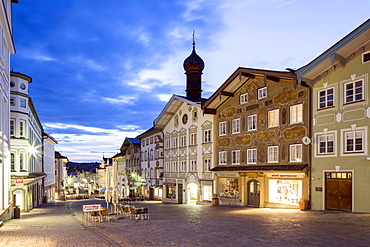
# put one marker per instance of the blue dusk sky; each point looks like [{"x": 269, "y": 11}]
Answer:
[{"x": 104, "y": 70}]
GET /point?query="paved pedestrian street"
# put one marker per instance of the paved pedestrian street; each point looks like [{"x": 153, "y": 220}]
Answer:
[{"x": 60, "y": 224}]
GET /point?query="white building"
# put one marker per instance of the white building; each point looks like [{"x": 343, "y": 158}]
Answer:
[
  {"x": 152, "y": 162},
  {"x": 188, "y": 146},
  {"x": 49, "y": 167},
  {"x": 26, "y": 145},
  {"x": 60, "y": 176},
  {"x": 7, "y": 48}
]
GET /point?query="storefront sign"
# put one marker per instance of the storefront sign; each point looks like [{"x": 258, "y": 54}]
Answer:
[
  {"x": 19, "y": 180},
  {"x": 92, "y": 207},
  {"x": 285, "y": 175},
  {"x": 227, "y": 175},
  {"x": 169, "y": 184}
]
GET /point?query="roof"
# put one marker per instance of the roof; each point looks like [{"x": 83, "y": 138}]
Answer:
[
  {"x": 59, "y": 156},
  {"x": 340, "y": 53},
  {"x": 260, "y": 167},
  {"x": 237, "y": 80},
  {"x": 172, "y": 106},
  {"x": 47, "y": 136},
  {"x": 149, "y": 132},
  {"x": 133, "y": 140}
]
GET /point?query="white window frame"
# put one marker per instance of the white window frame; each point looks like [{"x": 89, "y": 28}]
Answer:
[
  {"x": 183, "y": 141},
  {"x": 296, "y": 114},
  {"x": 355, "y": 135},
  {"x": 363, "y": 57},
  {"x": 174, "y": 166},
  {"x": 243, "y": 98},
  {"x": 252, "y": 122},
  {"x": 193, "y": 165},
  {"x": 272, "y": 154},
  {"x": 183, "y": 166},
  {"x": 325, "y": 140},
  {"x": 222, "y": 128},
  {"x": 174, "y": 142},
  {"x": 273, "y": 118},
  {"x": 168, "y": 168},
  {"x": 193, "y": 139},
  {"x": 22, "y": 128},
  {"x": 295, "y": 153},
  {"x": 222, "y": 158},
  {"x": 207, "y": 164},
  {"x": 353, "y": 90},
  {"x": 207, "y": 136},
  {"x": 236, "y": 126},
  {"x": 235, "y": 157},
  {"x": 262, "y": 93},
  {"x": 326, "y": 100},
  {"x": 252, "y": 156},
  {"x": 12, "y": 127},
  {"x": 12, "y": 101}
]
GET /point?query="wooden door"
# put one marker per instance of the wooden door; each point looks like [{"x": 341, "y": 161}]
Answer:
[
  {"x": 338, "y": 191},
  {"x": 179, "y": 193},
  {"x": 254, "y": 193}
]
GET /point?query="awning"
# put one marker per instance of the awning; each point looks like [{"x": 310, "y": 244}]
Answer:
[{"x": 169, "y": 184}]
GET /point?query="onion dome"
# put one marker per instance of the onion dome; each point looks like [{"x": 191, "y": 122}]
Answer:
[{"x": 193, "y": 62}]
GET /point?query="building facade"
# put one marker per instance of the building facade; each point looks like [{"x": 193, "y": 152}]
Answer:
[
  {"x": 133, "y": 182},
  {"x": 7, "y": 48},
  {"x": 188, "y": 143},
  {"x": 49, "y": 167},
  {"x": 60, "y": 176},
  {"x": 260, "y": 119},
  {"x": 26, "y": 145},
  {"x": 339, "y": 78},
  {"x": 152, "y": 162}
]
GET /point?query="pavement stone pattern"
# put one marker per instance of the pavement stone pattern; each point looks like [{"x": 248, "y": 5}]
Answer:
[{"x": 60, "y": 224}]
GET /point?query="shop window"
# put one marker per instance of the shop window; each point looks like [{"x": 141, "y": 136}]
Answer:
[
  {"x": 229, "y": 187},
  {"x": 285, "y": 191},
  {"x": 171, "y": 192}
]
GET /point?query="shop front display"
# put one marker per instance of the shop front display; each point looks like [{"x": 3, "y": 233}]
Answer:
[{"x": 285, "y": 191}]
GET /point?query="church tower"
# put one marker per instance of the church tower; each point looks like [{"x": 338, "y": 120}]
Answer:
[{"x": 193, "y": 66}]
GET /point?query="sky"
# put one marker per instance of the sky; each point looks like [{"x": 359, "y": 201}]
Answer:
[{"x": 103, "y": 70}]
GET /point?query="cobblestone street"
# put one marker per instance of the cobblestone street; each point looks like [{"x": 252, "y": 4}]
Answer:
[{"x": 60, "y": 224}]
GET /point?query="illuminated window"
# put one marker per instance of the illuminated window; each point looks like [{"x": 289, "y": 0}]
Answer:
[
  {"x": 295, "y": 152},
  {"x": 273, "y": 118}
]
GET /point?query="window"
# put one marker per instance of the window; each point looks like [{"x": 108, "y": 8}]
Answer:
[
  {"x": 12, "y": 127},
  {"x": 235, "y": 158},
  {"x": 183, "y": 165},
  {"x": 12, "y": 101},
  {"x": 12, "y": 161},
  {"x": 326, "y": 98},
  {"x": 222, "y": 158},
  {"x": 22, "y": 103},
  {"x": 262, "y": 93},
  {"x": 193, "y": 139},
  {"x": 326, "y": 144},
  {"x": 167, "y": 166},
  {"x": 175, "y": 142},
  {"x": 182, "y": 141},
  {"x": 151, "y": 140},
  {"x": 195, "y": 114},
  {"x": 193, "y": 165},
  {"x": 207, "y": 136},
  {"x": 167, "y": 143},
  {"x": 236, "y": 125},
  {"x": 354, "y": 141},
  {"x": 365, "y": 57},
  {"x": 207, "y": 165},
  {"x": 21, "y": 167},
  {"x": 296, "y": 114},
  {"x": 354, "y": 91},
  {"x": 273, "y": 118},
  {"x": 273, "y": 154},
  {"x": 252, "y": 156},
  {"x": 22, "y": 125},
  {"x": 222, "y": 128},
  {"x": 295, "y": 152},
  {"x": 243, "y": 98},
  {"x": 174, "y": 166},
  {"x": 252, "y": 122}
]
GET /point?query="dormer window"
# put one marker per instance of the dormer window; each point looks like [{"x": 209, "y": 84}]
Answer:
[
  {"x": 262, "y": 93},
  {"x": 243, "y": 98}
]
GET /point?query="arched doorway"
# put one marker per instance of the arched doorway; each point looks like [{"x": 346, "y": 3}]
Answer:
[
  {"x": 192, "y": 190},
  {"x": 18, "y": 198},
  {"x": 254, "y": 193}
]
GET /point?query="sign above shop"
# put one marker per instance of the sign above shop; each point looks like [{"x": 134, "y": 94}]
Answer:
[
  {"x": 285, "y": 175},
  {"x": 227, "y": 175}
]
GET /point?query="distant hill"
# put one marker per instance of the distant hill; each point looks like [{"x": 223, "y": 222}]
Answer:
[{"x": 74, "y": 167}]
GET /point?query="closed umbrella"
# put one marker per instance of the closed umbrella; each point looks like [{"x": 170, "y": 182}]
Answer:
[
  {"x": 107, "y": 184},
  {"x": 114, "y": 182}
]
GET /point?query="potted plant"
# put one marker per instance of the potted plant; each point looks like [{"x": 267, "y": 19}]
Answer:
[
  {"x": 215, "y": 200},
  {"x": 303, "y": 204}
]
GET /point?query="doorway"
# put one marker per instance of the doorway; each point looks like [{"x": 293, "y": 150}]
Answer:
[
  {"x": 338, "y": 191},
  {"x": 192, "y": 190},
  {"x": 254, "y": 193}
]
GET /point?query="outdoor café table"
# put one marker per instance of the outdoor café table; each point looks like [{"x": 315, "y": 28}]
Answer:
[{"x": 91, "y": 212}]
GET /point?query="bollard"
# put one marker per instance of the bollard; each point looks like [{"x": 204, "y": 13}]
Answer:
[{"x": 17, "y": 212}]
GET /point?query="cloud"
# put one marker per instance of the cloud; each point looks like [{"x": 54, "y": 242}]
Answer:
[
  {"x": 129, "y": 100},
  {"x": 85, "y": 62},
  {"x": 164, "y": 97}
]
